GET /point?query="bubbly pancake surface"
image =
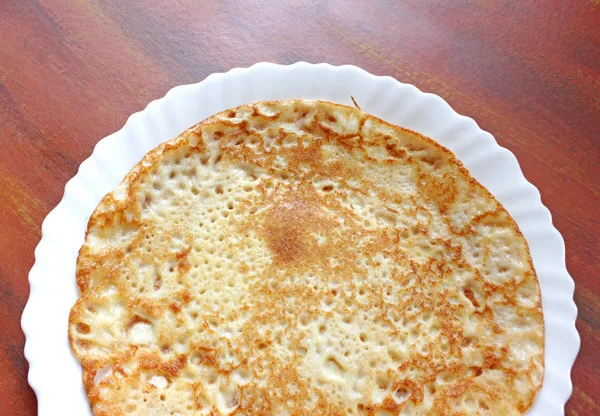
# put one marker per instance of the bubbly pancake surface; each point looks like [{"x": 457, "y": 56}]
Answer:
[{"x": 305, "y": 258}]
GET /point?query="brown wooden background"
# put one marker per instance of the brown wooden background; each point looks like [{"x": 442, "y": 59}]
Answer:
[{"x": 72, "y": 71}]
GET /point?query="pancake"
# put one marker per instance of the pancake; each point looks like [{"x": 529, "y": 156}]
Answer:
[{"x": 305, "y": 258}]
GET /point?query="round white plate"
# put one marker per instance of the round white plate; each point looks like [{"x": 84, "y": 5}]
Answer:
[{"x": 55, "y": 374}]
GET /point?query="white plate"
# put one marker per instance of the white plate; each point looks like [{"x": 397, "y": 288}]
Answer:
[{"x": 55, "y": 374}]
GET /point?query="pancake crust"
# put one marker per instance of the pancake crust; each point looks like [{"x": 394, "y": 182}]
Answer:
[{"x": 305, "y": 258}]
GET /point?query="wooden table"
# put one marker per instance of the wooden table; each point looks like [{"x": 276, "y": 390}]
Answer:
[{"x": 71, "y": 72}]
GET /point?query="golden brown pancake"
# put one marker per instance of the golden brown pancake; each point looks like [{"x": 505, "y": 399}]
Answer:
[{"x": 305, "y": 258}]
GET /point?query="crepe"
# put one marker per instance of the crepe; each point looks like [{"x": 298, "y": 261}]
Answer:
[{"x": 305, "y": 258}]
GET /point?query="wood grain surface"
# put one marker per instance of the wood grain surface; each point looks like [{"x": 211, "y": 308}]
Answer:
[{"x": 71, "y": 72}]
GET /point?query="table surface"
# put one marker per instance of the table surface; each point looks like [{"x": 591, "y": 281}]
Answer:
[{"x": 71, "y": 72}]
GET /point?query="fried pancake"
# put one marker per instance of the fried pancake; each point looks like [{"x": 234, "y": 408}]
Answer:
[{"x": 305, "y": 258}]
